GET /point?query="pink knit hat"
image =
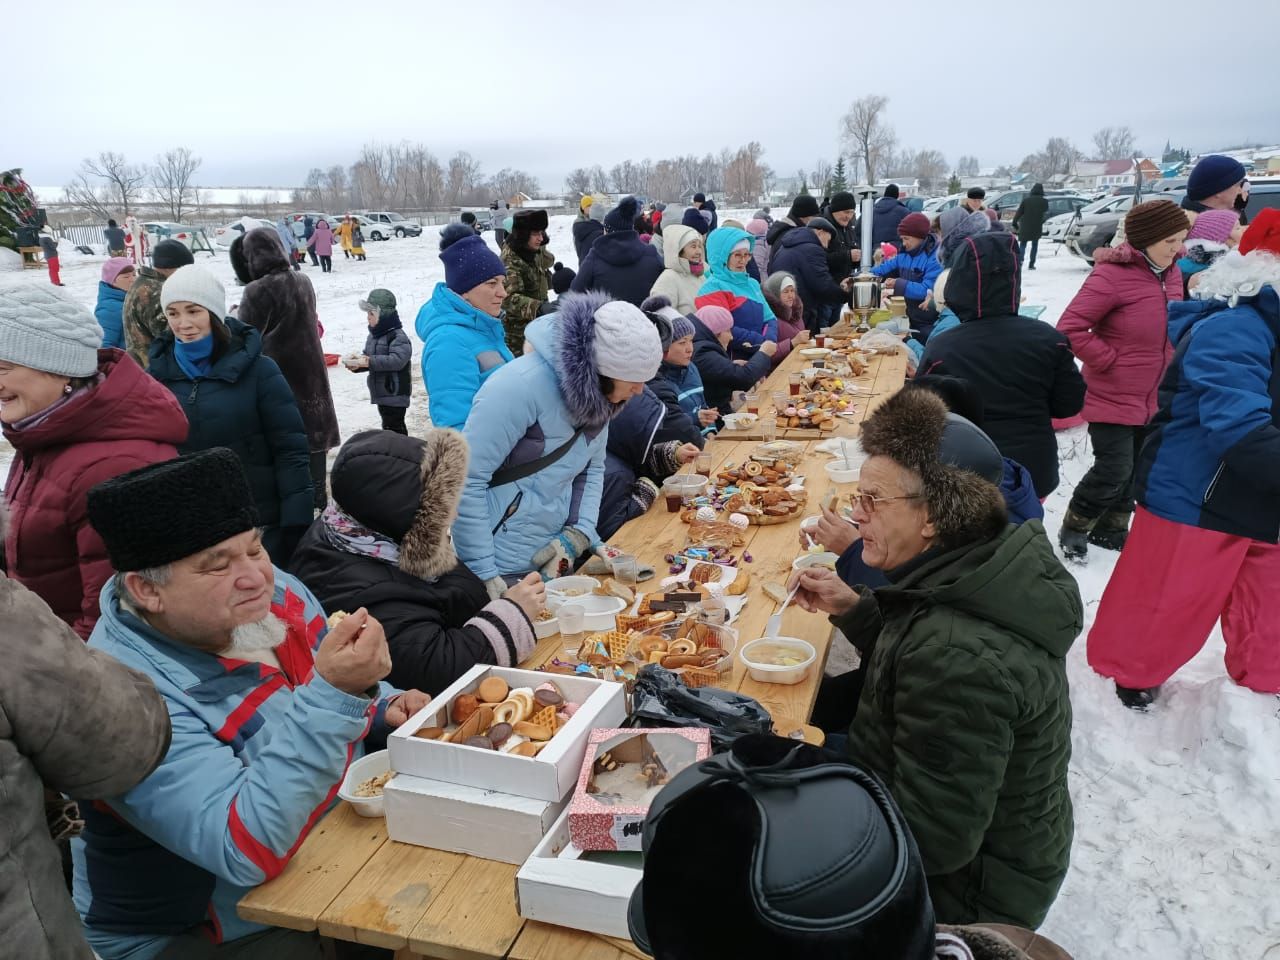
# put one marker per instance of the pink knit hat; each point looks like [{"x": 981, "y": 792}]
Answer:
[
  {"x": 715, "y": 319},
  {"x": 114, "y": 267},
  {"x": 1214, "y": 225},
  {"x": 757, "y": 227}
]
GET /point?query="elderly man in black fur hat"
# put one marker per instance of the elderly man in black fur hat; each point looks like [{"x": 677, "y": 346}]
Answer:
[{"x": 964, "y": 711}]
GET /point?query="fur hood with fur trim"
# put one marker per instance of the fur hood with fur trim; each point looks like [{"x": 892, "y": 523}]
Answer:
[
  {"x": 908, "y": 429},
  {"x": 406, "y": 489},
  {"x": 437, "y": 614}
]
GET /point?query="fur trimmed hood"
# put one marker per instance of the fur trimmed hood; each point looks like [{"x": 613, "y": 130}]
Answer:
[
  {"x": 407, "y": 489},
  {"x": 567, "y": 340},
  {"x": 911, "y": 428},
  {"x": 263, "y": 253}
]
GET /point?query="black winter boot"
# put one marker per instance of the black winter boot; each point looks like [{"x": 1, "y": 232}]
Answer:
[
  {"x": 1137, "y": 698},
  {"x": 1074, "y": 538},
  {"x": 1111, "y": 531}
]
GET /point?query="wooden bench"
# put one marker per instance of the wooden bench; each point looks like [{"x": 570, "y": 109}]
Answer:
[{"x": 31, "y": 259}]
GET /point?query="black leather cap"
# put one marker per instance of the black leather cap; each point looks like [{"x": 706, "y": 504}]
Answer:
[{"x": 779, "y": 846}]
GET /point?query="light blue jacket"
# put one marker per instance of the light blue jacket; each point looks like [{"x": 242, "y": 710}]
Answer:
[
  {"x": 946, "y": 320},
  {"x": 462, "y": 347},
  {"x": 527, "y": 409},
  {"x": 257, "y": 756}
]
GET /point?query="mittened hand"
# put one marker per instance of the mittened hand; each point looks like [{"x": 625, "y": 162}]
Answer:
[{"x": 556, "y": 559}]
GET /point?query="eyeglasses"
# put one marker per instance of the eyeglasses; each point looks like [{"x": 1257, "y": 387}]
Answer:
[{"x": 867, "y": 503}]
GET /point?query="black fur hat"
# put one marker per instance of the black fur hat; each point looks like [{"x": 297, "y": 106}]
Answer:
[
  {"x": 170, "y": 510},
  {"x": 957, "y": 463}
]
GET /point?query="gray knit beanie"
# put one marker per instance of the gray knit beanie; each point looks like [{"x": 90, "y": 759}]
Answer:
[
  {"x": 47, "y": 330},
  {"x": 192, "y": 284}
]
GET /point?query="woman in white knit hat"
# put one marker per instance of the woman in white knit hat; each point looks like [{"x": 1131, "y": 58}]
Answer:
[
  {"x": 537, "y": 433},
  {"x": 237, "y": 398},
  {"x": 77, "y": 415}
]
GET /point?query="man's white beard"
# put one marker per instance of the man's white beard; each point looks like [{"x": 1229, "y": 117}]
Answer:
[{"x": 249, "y": 638}]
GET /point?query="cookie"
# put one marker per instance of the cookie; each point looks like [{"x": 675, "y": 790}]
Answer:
[{"x": 493, "y": 689}]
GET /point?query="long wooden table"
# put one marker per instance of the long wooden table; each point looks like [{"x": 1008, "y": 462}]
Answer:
[{"x": 350, "y": 882}]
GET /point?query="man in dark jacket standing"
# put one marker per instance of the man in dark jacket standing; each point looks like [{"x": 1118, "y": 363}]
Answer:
[
  {"x": 281, "y": 305},
  {"x": 620, "y": 263},
  {"x": 889, "y": 211},
  {"x": 308, "y": 231},
  {"x": 1028, "y": 223},
  {"x": 803, "y": 209},
  {"x": 1023, "y": 369},
  {"x": 803, "y": 254},
  {"x": 842, "y": 252},
  {"x": 114, "y": 237}
]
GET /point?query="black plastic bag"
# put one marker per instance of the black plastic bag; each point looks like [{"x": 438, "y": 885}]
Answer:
[{"x": 659, "y": 699}]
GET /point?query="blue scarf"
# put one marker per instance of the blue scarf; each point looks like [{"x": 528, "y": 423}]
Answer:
[{"x": 194, "y": 357}]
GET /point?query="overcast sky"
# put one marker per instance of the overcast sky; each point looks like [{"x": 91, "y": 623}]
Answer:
[{"x": 265, "y": 90}]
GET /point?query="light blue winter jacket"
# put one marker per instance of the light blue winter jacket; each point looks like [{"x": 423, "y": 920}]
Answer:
[
  {"x": 256, "y": 758},
  {"x": 529, "y": 408},
  {"x": 462, "y": 347}
]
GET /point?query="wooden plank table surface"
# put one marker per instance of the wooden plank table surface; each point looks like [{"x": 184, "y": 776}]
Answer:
[{"x": 350, "y": 882}]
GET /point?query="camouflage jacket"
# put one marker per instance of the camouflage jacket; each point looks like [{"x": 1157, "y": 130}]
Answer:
[
  {"x": 527, "y": 286},
  {"x": 143, "y": 316}
]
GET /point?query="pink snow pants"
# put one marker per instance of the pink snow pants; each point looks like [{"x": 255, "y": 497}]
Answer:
[{"x": 1171, "y": 585}]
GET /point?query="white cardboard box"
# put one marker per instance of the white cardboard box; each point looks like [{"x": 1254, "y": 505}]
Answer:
[
  {"x": 556, "y": 886},
  {"x": 481, "y": 823},
  {"x": 549, "y": 776}
]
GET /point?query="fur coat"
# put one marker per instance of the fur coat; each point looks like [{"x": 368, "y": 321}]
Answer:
[{"x": 281, "y": 304}]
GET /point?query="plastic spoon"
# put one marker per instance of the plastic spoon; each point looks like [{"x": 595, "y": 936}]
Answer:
[{"x": 775, "y": 622}]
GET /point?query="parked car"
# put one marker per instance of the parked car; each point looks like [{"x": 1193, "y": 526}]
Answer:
[
  {"x": 1262, "y": 194},
  {"x": 223, "y": 236},
  {"x": 194, "y": 238},
  {"x": 938, "y": 204},
  {"x": 397, "y": 225},
  {"x": 1006, "y": 205},
  {"x": 1098, "y": 229},
  {"x": 1056, "y": 227}
]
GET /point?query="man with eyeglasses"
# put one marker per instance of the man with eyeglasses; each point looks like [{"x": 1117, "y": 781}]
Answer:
[{"x": 964, "y": 710}]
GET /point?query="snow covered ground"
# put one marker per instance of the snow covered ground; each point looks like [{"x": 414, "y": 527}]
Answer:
[{"x": 1177, "y": 850}]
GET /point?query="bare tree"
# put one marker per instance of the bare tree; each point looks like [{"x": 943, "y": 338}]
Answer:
[
  {"x": 336, "y": 192},
  {"x": 967, "y": 166},
  {"x": 171, "y": 178},
  {"x": 578, "y": 182},
  {"x": 463, "y": 176},
  {"x": 1114, "y": 143},
  {"x": 1057, "y": 157},
  {"x": 821, "y": 175},
  {"x": 745, "y": 174},
  {"x": 420, "y": 177},
  {"x": 599, "y": 180},
  {"x": 930, "y": 168},
  {"x": 108, "y": 185},
  {"x": 866, "y": 134},
  {"x": 664, "y": 181},
  {"x": 506, "y": 183}
]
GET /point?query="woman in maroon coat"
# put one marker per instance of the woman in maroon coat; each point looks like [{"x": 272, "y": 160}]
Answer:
[
  {"x": 76, "y": 415},
  {"x": 1117, "y": 325}
]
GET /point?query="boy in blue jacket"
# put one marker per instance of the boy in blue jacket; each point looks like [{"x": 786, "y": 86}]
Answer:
[{"x": 913, "y": 272}]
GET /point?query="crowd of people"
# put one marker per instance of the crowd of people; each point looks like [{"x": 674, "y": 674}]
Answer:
[{"x": 170, "y": 505}]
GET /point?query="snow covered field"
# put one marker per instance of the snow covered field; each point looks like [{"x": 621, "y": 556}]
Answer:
[{"x": 1177, "y": 848}]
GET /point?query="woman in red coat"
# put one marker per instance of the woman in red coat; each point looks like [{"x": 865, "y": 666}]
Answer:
[
  {"x": 1117, "y": 325},
  {"x": 76, "y": 415}
]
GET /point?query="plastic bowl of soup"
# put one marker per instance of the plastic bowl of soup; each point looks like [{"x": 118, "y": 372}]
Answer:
[{"x": 778, "y": 659}]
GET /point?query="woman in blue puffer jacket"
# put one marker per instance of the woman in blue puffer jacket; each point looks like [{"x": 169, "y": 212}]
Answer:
[
  {"x": 729, "y": 250},
  {"x": 537, "y": 433},
  {"x": 117, "y": 278},
  {"x": 461, "y": 326}
]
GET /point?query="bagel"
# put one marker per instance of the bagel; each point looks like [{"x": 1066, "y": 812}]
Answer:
[
  {"x": 506, "y": 712},
  {"x": 685, "y": 646}
]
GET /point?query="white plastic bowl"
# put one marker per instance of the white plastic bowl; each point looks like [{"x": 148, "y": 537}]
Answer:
[
  {"x": 600, "y": 611},
  {"x": 569, "y": 588},
  {"x": 367, "y": 766},
  {"x": 740, "y": 421},
  {"x": 826, "y": 559},
  {"x": 839, "y": 473},
  {"x": 770, "y": 673},
  {"x": 812, "y": 352}
]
